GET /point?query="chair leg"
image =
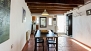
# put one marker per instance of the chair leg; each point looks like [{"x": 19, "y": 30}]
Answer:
[
  {"x": 43, "y": 46},
  {"x": 48, "y": 47},
  {"x": 35, "y": 48}
]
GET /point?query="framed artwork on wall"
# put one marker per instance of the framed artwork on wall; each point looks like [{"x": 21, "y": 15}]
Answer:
[
  {"x": 23, "y": 15},
  {"x": 43, "y": 22},
  {"x": 88, "y": 12},
  {"x": 4, "y": 20}
]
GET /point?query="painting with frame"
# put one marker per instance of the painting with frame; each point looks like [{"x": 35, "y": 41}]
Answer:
[
  {"x": 43, "y": 22},
  {"x": 4, "y": 20}
]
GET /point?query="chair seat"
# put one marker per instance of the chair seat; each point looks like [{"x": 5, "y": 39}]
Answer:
[
  {"x": 40, "y": 40},
  {"x": 51, "y": 42}
]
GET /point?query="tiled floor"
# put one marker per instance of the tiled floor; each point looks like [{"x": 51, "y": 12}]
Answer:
[{"x": 64, "y": 44}]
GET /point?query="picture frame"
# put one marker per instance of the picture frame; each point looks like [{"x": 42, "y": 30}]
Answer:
[
  {"x": 23, "y": 15},
  {"x": 88, "y": 12},
  {"x": 4, "y": 20},
  {"x": 43, "y": 22}
]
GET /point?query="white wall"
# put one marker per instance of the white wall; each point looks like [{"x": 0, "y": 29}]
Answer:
[
  {"x": 17, "y": 28},
  {"x": 82, "y": 25}
]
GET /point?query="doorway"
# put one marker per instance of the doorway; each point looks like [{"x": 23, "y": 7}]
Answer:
[
  {"x": 61, "y": 24},
  {"x": 69, "y": 24}
]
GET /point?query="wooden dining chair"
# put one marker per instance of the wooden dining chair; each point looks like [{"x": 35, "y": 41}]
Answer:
[
  {"x": 51, "y": 42},
  {"x": 38, "y": 40}
]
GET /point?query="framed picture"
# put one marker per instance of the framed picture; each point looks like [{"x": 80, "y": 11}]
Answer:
[
  {"x": 88, "y": 12},
  {"x": 4, "y": 20},
  {"x": 43, "y": 22},
  {"x": 23, "y": 15}
]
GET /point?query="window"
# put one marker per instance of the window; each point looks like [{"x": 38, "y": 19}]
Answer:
[
  {"x": 50, "y": 21},
  {"x": 37, "y": 21},
  {"x": 61, "y": 23}
]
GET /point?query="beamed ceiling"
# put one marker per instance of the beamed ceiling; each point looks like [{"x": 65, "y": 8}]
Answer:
[{"x": 53, "y": 6}]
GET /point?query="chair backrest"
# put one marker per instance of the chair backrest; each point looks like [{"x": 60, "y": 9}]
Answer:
[
  {"x": 52, "y": 30},
  {"x": 35, "y": 33}
]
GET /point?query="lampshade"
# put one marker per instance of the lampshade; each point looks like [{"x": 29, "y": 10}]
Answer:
[{"x": 45, "y": 12}]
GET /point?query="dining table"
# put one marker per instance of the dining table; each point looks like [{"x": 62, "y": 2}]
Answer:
[{"x": 50, "y": 34}]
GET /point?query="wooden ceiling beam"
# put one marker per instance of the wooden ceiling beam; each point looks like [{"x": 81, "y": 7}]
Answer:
[
  {"x": 76, "y": 2},
  {"x": 53, "y": 6},
  {"x": 50, "y": 12},
  {"x": 46, "y": 4},
  {"x": 50, "y": 9}
]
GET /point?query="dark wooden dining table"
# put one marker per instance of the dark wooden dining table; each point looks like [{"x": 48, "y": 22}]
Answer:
[{"x": 49, "y": 35}]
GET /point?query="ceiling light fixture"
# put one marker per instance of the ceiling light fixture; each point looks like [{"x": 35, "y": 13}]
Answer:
[{"x": 45, "y": 12}]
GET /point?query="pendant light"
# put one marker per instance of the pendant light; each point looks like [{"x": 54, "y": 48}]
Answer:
[{"x": 45, "y": 12}]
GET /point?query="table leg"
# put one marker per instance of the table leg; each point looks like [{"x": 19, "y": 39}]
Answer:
[
  {"x": 35, "y": 45},
  {"x": 56, "y": 43}
]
